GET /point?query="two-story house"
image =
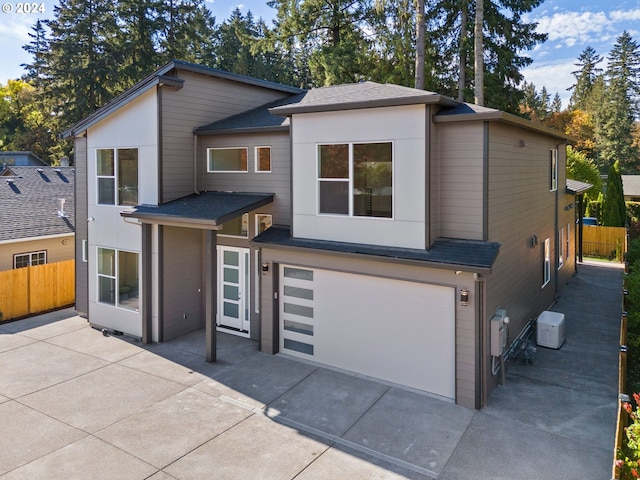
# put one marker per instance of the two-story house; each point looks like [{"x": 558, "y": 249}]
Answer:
[{"x": 374, "y": 228}]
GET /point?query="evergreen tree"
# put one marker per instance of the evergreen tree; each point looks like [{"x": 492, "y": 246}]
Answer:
[
  {"x": 585, "y": 77},
  {"x": 620, "y": 105},
  {"x": 614, "y": 213}
]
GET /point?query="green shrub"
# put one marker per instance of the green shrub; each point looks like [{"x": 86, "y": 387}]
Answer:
[{"x": 628, "y": 457}]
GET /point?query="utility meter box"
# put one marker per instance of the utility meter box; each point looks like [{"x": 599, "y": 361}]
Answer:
[
  {"x": 498, "y": 335},
  {"x": 550, "y": 329}
]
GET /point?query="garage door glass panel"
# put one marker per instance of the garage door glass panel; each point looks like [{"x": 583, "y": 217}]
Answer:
[
  {"x": 298, "y": 327},
  {"x": 298, "y": 292},
  {"x": 298, "y": 310},
  {"x": 298, "y": 273},
  {"x": 298, "y": 346}
]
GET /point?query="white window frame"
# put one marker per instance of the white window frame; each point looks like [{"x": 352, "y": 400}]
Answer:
[
  {"x": 85, "y": 251},
  {"x": 546, "y": 266},
  {"x": 350, "y": 180},
  {"x": 561, "y": 244},
  {"x": 31, "y": 256},
  {"x": 554, "y": 169},
  {"x": 257, "y": 222},
  {"x": 209, "y": 150},
  {"x": 116, "y": 177},
  {"x": 256, "y": 158},
  {"x": 237, "y": 236},
  {"x": 115, "y": 278}
]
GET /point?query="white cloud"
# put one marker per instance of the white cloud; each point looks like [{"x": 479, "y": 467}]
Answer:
[
  {"x": 15, "y": 28},
  {"x": 625, "y": 15},
  {"x": 555, "y": 76},
  {"x": 572, "y": 27}
]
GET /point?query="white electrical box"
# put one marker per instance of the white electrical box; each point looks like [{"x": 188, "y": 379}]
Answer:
[
  {"x": 498, "y": 335},
  {"x": 550, "y": 329}
]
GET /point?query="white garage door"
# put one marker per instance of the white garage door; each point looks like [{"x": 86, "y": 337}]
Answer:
[{"x": 399, "y": 331}]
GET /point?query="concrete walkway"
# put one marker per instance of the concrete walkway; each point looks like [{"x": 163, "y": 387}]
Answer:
[{"x": 77, "y": 404}]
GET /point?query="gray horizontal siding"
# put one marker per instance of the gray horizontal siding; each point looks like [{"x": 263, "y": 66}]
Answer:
[
  {"x": 459, "y": 180},
  {"x": 202, "y": 100},
  {"x": 278, "y": 181},
  {"x": 81, "y": 214}
]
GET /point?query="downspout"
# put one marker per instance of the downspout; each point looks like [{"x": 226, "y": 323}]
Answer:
[{"x": 195, "y": 165}]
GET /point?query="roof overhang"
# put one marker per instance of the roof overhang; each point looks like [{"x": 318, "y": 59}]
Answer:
[
  {"x": 491, "y": 115},
  {"x": 207, "y": 210},
  {"x": 576, "y": 187},
  {"x": 472, "y": 256},
  {"x": 238, "y": 131}
]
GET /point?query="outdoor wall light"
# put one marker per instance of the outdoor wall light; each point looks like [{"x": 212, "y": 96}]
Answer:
[
  {"x": 464, "y": 297},
  {"x": 265, "y": 268},
  {"x": 522, "y": 143}
]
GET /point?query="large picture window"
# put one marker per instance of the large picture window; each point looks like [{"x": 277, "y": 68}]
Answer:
[
  {"x": 118, "y": 279},
  {"x": 236, "y": 227},
  {"x": 227, "y": 159},
  {"x": 356, "y": 179},
  {"x": 117, "y": 172}
]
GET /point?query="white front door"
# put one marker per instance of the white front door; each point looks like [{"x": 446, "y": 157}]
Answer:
[{"x": 233, "y": 290}]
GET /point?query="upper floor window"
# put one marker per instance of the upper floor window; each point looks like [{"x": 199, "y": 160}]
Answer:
[
  {"x": 356, "y": 179},
  {"x": 554, "y": 170},
  {"x": 263, "y": 159},
  {"x": 117, "y": 171},
  {"x": 227, "y": 159},
  {"x": 29, "y": 259}
]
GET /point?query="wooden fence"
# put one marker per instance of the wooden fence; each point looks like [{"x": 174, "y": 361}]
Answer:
[
  {"x": 29, "y": 290},
  {"x": 605, "y": 242}
]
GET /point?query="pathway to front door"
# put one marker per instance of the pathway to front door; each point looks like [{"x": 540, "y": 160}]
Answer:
[{"x": 233, "y": 290}]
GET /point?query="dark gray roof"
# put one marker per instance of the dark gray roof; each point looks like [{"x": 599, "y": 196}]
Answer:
[
  {"x": 29, "y": 202},
  {"x": 472, "y": 255},
  {"x": 259, "y": 119},
  {"x": 575, "y": 186},
  {"x": 160, "y": 77},
  {"x": 469, "y": 112},
  {"x": 204, "y": 210},
  {"x": 360, "y": 95},
  {"x": 631, "y": 185}
]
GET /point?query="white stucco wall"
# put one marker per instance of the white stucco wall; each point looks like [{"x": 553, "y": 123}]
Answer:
[
  {"x": 132, "y": 126},
  {"x": 405, "y": 127}
]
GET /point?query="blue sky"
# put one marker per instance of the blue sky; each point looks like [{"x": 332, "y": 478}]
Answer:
[{"x": 571, "y": 26}]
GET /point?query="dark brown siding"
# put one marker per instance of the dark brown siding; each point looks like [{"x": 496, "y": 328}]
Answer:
[{"x": 181, "y": 297}]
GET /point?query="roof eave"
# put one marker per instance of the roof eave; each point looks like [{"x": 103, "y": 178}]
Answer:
[
  {"x": 427, "y": 99},
  {"x": 500, "y": 116},
  {"x": 237, "y": 131}
]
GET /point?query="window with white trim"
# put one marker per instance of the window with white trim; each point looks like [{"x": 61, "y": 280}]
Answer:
[
  {"x": 263, "y": 222},
  {"x": 263, "y": 159},
  {"x": 117, "y": 173},
  {"x": 561, "y": 250},
  {"x": 227, "y": 160},
  {"x": 356, "y": 179},
  {"x": 29, "y": 259},
  {"x": 568, "y": 242},
  {"x": 236, "y": 227},
  {"x": 118, "y": 279},
  {"x": 546, "y": 266},
  {"x": 554, "y": 170}
]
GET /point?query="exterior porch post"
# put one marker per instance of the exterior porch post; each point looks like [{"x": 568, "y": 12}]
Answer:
[
  {"x": 146, "y": 284},
  {"x": 210, "y": 291}
]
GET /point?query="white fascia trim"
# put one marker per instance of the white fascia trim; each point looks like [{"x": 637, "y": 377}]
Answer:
[{"x": 31, "y": 239}]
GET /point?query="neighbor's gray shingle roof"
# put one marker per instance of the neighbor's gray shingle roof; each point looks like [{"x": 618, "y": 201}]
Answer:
[
  {"x": 471, "y": 255},
  {"x": 360, "y": 95},
  {"x": 631, "y": 185},
  {"x": 29, "y": 205}
]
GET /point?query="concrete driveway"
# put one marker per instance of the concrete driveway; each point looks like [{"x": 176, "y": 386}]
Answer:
[{"x": 77, "y": 404}]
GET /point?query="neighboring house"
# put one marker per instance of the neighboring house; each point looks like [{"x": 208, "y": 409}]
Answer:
[
  {"x": 374, "y": 228},
  {"x": 21, "y": 159},
  {"x": 631, "y": 188},
  {"x": 34, "y": 231}
]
